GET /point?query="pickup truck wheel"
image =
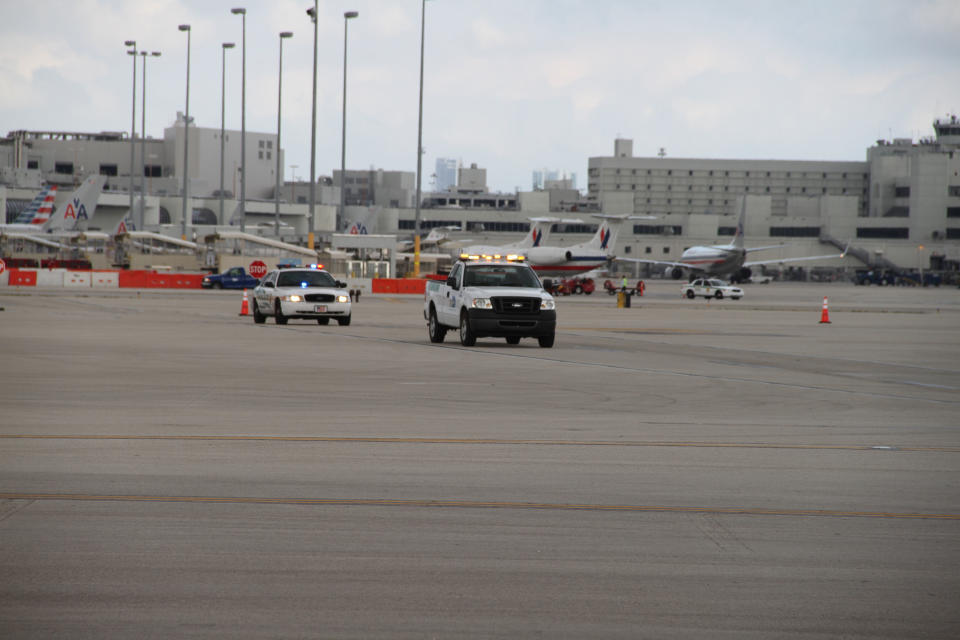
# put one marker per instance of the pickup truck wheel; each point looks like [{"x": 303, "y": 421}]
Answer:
[
  {"x": 467, "y": 338},
  {"x": 546, "y": 341},
  {"x": 736, "y": 297},
  {"x": 258, "y": 317},
  {"x": 719, "y": 295},
  {"x": 323, "y": 320},
  {"x": 217, "y": 285},
  {"x": 278, "y": 314},
  {"x": 690, "y": 294},
  {"x": 437, "y": 333},
  {"x": 513, "y": 339},
  {"x": 343, "y": 322}
]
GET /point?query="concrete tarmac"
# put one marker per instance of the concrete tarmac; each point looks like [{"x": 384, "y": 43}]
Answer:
[{"x": 679, "y": 469}]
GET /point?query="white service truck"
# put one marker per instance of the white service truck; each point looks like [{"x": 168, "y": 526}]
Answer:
[{"x": 490, "y": 296}]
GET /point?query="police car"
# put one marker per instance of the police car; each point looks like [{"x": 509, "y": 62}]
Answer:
[
  {"x": 308, "y": 293},
  {"x": 490, "y": 296},
  {"x": 711, "y": 288}
]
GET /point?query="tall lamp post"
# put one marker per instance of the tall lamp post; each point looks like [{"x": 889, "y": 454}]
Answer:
[
  {"x": 240, "y": 11},
  {"x": 312, "y": 12},
  {"x": 293, "y": 179},
  {"x": 133, "y": 114},
  {"x": 186, "y": 141},
  {"x": 416, "y": 223},
  {"x": 143, "y": 136},
  {"x": 343, "y": 136},
  {"x": 276, "y": 213},
  {"x": 223, "y": 121}
]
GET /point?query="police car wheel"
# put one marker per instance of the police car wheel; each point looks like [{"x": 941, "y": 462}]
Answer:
[{"x": 258, "y": 317}]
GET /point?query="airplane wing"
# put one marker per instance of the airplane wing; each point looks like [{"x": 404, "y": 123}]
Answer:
[
  {"x": 801, "y": 259},
  {"x": 770, "y": 246},
  {"x": 665, "y": 263}
]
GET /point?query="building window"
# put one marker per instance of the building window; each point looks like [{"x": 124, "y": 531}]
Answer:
[
  {"x": 788, "y": 189},
  {"x": 795, "y": 232},
  {"x": 745, "y": 189},
  {"x": 164, "y": 216},
  {"x": 261, "y": 144},
  {"x": 33, "y": 164},
  {"x": 748, "y": 174},
  {"x": 666, "y": 249},
  {"x": 953, "y": 234},
  {"x": 260, "y": 154},
  {"x": 768, "y": 174},
  {"x": 63, "y": 167},
  {"x": 108, "y": 169},
  {"x": 691, "y": 172},
  {"x": 153, "y": 171},
  {"x": 768, "y": 189},
  {"x": 710, "y": 188},
  {"x": 269, "y": 144},
  {"x": 669, "y": 172},
  {"x": 633, "y": 187},
  {"x": 726, "y": 231},
  {"x": 884, "y": 233},
  {"x": 633, "y": 171},
  {"x": 627, "y": 248},
  {"x": 268, "y": 155},
  {"x": 901, "y": 192},
  {"x": 648, "y": 250},
  {"x": 648, "y": 187},
  {"x": 953, "y": 212},
  {"x": 953, "y": 191},
  {"x": 669, "y": 187}
]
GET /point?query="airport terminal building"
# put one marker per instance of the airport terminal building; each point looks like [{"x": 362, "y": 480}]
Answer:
[{"x": 899, "y": 207}]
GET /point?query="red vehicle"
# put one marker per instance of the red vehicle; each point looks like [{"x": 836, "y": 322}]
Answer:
[{"x": 612, "y": 288}]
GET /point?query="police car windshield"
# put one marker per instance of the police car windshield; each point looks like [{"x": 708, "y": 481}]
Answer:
[
  {"x": 500, "y": 275},
  {"x": 305, "y": 278}
]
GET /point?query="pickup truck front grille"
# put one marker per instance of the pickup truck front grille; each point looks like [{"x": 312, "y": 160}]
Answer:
[
  {"x": 516, "y": 305},
  {"x": 319, "y": 297}
]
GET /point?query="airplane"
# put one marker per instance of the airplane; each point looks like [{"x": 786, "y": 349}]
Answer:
[
  {"x": 36, "y": 214},
  {"x": 66, "y": 221},
  {"x": 536, "y": 237},
  {"x": 723, "y": 260},
  {"x": 435, "y": 238},
  {"x": 572, "y": 260}
]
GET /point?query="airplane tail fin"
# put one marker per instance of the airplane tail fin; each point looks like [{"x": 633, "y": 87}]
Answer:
[
  {"x": 126, "y": 225},
  {"x": 360, "y": 224},
  {"x": 40, "y": 208},
  {"x": 737, "y": 242},
  {"x": 80, "y": 208},
  {"x": 605, "y": 239}
]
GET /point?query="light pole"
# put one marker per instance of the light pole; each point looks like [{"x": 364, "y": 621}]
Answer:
[
  {"x": 293, "y": 179},
  {"x": 343, "y": 139},
  {"x": 143, "y": 135},
  {"x": 133, "y": 114},
  {"x": 243, "y": 118},
  {"x": 312, "y": 12},
  {"x": 186, "y": 141},
  {"x": 276, "y": 213},
  {"x": 416, "y": 223},
  {"x": 223, "y": 121}
]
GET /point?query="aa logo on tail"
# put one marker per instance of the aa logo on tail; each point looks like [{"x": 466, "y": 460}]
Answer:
[
  {"x": 358, "y": 228},
  {"x": 604, "y": 237},
  {"x": 537, "y": 237}
]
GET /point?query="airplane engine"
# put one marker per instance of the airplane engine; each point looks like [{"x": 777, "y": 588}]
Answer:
[
  {"x": 673, "y": 272},
  {"x": 743, "y": 275}
]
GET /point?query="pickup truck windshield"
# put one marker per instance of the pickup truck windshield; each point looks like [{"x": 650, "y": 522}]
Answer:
[
  {"x": 500, "y": 275},
  {"x": 306, "y": 279}
]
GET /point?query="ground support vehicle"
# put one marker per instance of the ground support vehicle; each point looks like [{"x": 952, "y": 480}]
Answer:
[
  {"x": 711, "y": 288},
  {"x": 305, "y": 292},
  {"x": 486, "y": 296},
  {"x": 233, "y": 278}
]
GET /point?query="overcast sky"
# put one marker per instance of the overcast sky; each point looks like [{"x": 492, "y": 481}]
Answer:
[{"x": 512, "y": 85}]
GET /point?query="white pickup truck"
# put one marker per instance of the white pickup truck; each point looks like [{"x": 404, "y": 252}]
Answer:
[{"x": 490, "y": 297}]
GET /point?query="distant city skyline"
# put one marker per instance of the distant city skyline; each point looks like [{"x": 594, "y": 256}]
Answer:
[{"x": 509, "y": 86}]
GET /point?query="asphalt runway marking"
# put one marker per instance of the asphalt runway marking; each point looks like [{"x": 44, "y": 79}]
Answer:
[
  {"x": 486, "y": 441},
  {"x": 483, "y": 504}
]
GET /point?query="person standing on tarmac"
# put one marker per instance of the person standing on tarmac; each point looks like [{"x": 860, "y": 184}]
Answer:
[{"x": 624, "y": 286}]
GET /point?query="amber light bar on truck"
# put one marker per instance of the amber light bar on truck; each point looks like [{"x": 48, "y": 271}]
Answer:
[{"x": 509, "y": 258}]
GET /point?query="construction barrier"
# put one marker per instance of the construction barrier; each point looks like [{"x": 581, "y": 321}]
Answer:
[
  {"x": 413, "y": 286},
  {"x": 100, "y": 279}
]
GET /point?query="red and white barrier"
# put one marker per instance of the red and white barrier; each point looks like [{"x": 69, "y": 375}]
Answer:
[{"x": 101, "y": 279}]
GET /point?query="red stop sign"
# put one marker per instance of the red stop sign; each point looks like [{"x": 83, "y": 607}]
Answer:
[{"x": 258, "y": 268}]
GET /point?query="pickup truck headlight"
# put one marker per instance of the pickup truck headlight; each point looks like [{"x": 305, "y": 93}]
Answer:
[
  {"x": 343, "y": 299},
  {"x": 481, "y": 303},
  {"x": 293, "y": 298},
  {"x": 547, "y": 304}
]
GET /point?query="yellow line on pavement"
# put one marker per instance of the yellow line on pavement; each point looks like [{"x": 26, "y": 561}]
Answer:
[{"x": 479, "y": 504}]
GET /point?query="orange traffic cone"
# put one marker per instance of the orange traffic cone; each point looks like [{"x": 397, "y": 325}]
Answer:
[
  {"x": 825, "y": 314},
  {"x": 245, "y": 308}
]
